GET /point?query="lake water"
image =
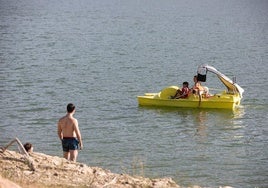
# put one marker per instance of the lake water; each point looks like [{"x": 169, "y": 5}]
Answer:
[{"x": 101, "y": 55}]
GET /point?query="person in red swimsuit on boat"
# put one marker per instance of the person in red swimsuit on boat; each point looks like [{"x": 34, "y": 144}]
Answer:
[{"x": 183, "y": 92}]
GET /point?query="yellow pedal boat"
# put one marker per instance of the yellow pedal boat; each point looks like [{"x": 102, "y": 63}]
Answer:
[{"x": 226, "y": 99}]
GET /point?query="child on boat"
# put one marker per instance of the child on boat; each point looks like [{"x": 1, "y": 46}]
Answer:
[{"x": 183, "y": 92}]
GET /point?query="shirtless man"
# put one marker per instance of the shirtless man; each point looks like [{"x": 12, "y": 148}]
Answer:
[
  {"x": 69, "y": 134},
  {"x": 197, "y": 86},
  {"x": 199, "y": 89}
]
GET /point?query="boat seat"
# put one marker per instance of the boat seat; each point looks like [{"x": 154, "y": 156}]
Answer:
[{"x": 167, "y": 92}]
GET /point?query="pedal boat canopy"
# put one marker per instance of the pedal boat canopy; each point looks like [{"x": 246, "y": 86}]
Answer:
[{"x": 231, "y": 86}]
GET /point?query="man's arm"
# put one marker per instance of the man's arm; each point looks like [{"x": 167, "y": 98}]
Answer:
[
  {"x": 78, "y": 134},
  {"x": 60, "y": 131}
]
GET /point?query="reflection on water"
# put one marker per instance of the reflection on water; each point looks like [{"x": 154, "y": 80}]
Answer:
[
  {"x": 202, "y": 139},
  {"x": 204, "y": 121},
  {"x": 201, "y": 121},
  {"x": 238, "y": 114}
]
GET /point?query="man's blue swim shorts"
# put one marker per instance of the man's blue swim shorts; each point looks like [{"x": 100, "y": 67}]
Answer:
[{"x": 69, "y": 143}]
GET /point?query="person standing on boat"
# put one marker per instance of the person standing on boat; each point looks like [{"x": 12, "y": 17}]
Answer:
[{"x": 69, "y": 134}]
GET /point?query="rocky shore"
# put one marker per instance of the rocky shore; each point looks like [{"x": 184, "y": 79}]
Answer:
[{"x": 43, "y": 171}]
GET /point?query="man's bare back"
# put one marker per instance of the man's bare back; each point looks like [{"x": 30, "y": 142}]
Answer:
[{"x": 67, "y": 126}]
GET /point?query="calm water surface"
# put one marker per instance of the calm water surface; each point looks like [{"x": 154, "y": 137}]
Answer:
[{"x": 101, "y": 54}]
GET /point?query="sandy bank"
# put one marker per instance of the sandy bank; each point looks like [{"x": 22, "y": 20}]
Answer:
[{"x": 40, "y": 170}]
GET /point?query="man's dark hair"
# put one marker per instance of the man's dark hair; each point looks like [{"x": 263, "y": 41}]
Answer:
[{"x": 70, "y": 108}]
